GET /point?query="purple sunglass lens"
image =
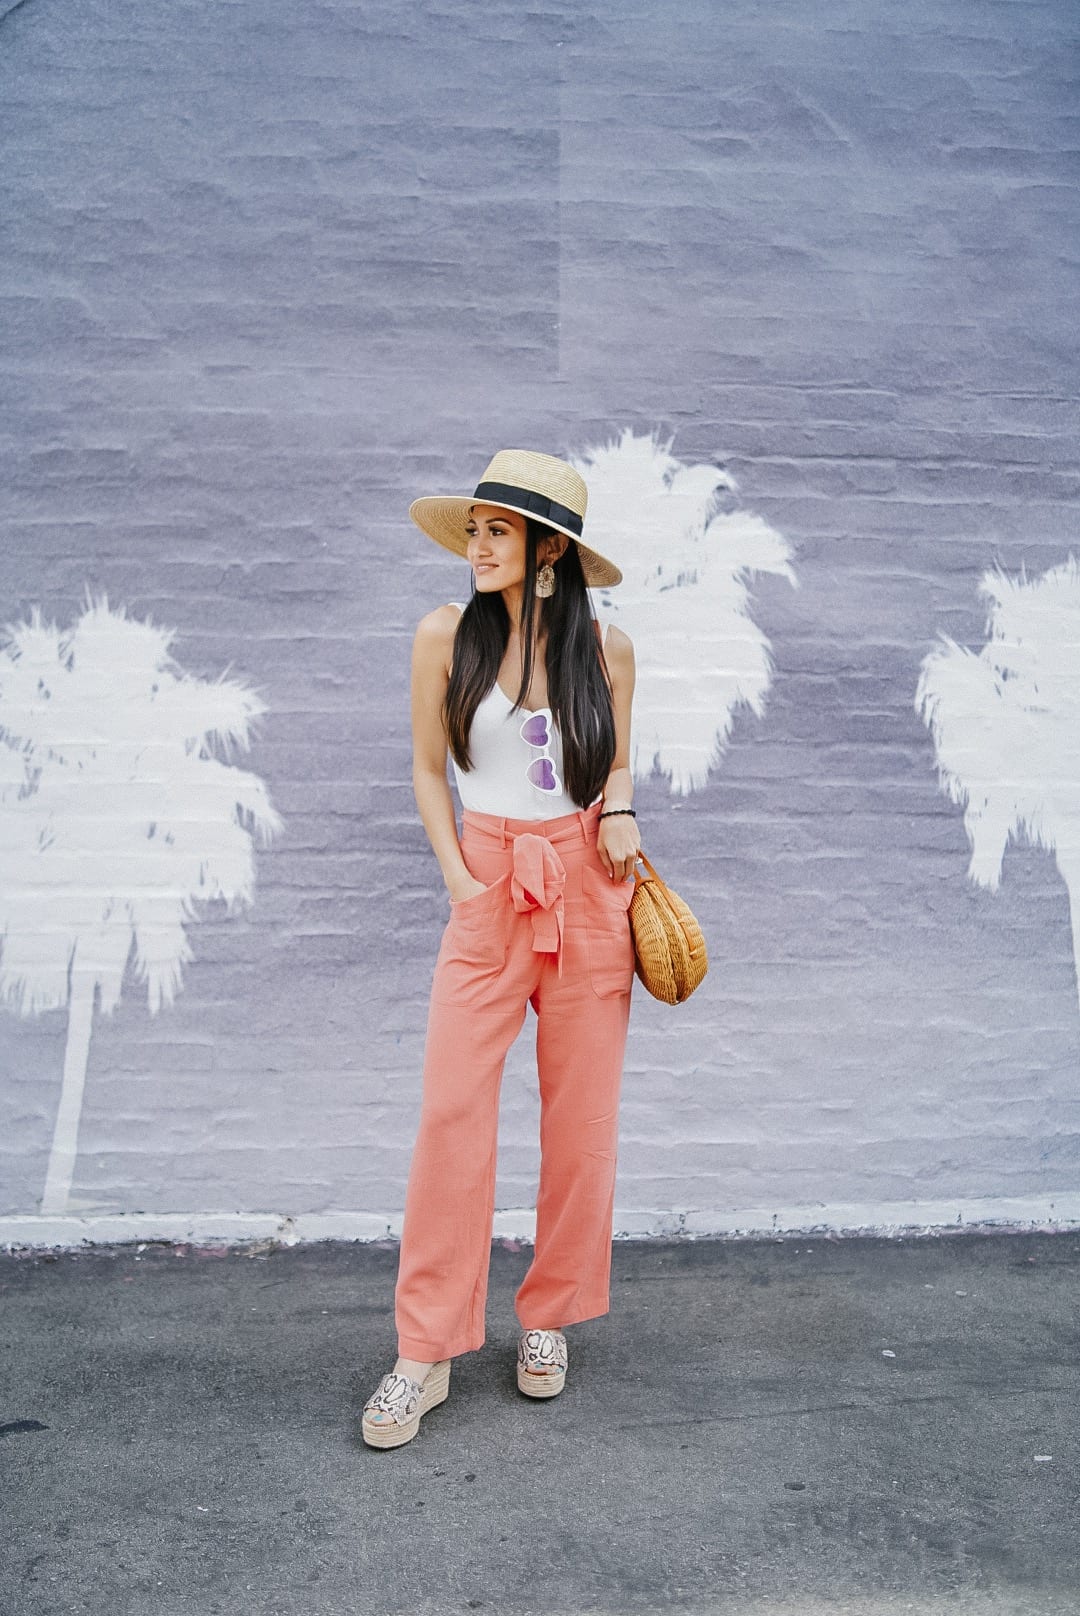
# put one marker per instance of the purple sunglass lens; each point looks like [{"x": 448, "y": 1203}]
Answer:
[
  {"x": 535, "y": 730},
  {"x": 542, "y": 775}
]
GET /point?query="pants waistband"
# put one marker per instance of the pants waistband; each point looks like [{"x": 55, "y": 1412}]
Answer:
[
  {"x": 564, "y": 831},
  {"x": 538, "y": 875}
]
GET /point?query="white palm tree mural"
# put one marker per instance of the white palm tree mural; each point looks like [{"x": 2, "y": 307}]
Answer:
[
  {"x": 1006, "y": 725},
  {"x": 683, "y": 599},
  {"x": 115, "y": 816}
]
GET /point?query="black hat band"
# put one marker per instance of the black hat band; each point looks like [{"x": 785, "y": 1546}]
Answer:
[{"x": 536, "y": 504}]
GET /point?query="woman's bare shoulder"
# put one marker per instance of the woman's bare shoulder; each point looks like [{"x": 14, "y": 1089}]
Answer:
[
  {"x": 438, "y": 627},
  {"x": 618, "y": 646}
]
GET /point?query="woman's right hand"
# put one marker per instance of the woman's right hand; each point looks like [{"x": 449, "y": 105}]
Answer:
[{"x": 465, "y": 886}]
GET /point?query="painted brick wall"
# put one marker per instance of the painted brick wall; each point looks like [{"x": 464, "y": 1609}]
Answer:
[{"x": 269, "y": 271}]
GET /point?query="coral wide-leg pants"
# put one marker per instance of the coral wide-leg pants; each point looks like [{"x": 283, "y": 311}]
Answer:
[{"x": 550, "y": 929}]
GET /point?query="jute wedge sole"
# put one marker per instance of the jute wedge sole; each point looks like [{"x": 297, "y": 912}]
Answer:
[
  {"x": 406, "y": 1400},
  {"x": 546, "y": 1349}
]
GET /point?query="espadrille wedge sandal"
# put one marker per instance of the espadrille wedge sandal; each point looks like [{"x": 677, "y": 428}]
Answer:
[
  {"x": 541, "y": 1363},
  {"x": 404, "y": 1399}
]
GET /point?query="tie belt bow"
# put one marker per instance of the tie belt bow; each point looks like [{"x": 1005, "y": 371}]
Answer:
[{"x": 536, "y": 887}]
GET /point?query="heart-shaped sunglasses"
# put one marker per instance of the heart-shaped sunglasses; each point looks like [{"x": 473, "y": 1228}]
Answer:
[{"x": 535, "y": 731}]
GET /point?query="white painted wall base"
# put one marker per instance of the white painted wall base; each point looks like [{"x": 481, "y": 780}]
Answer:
[{"x": 892, "y": 1219}]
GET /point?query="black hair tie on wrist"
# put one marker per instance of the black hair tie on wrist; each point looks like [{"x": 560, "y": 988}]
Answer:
[{"x": 609, "y": 813}]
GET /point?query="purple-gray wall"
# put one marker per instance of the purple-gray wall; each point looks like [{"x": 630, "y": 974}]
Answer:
[{"x": 270, "y": 271}]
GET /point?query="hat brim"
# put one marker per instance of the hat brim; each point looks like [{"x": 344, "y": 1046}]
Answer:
[{"x": 443, "y": 518}]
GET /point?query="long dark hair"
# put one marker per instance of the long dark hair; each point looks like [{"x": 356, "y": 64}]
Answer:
[{"x": 579, "y": 694}]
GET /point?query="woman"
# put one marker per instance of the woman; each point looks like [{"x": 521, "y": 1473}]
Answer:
[{"x": 532, "y": 698}]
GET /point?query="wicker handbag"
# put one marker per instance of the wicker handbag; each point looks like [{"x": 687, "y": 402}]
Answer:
[{"x": 668, "y": 942}]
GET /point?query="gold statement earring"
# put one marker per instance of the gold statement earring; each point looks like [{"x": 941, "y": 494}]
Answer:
[{"x": 545, "y": 581}]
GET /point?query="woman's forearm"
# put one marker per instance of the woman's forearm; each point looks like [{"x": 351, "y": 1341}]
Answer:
[
  {"x": 619, "y": 790},
  {"x": 436, "y": 807}
]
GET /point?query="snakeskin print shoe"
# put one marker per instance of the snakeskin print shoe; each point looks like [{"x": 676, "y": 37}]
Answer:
[
  {"x": 405, "y": 1400},
  {"x": 541, "y": 1363}
]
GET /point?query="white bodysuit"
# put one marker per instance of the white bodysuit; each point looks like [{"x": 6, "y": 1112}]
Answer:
[{"x": 498, "y": 781}]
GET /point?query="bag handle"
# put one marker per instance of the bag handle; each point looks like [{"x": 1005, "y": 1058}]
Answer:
[{"x": 638, "y": 877}]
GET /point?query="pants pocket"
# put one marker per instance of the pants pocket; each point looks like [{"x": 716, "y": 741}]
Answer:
[
  {"x": 607, "y": 926},
  {"x": 478, "y": 930}
]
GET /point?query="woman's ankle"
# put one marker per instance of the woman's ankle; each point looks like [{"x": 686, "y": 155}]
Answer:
[{"x": 415, "y": 1368}]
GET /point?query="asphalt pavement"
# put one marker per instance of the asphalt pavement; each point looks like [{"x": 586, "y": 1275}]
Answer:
[{"x": 769, "y": 1428}]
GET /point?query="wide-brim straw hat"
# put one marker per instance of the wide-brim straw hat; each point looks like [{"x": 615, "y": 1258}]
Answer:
[{"x": 532, "y": 484}]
